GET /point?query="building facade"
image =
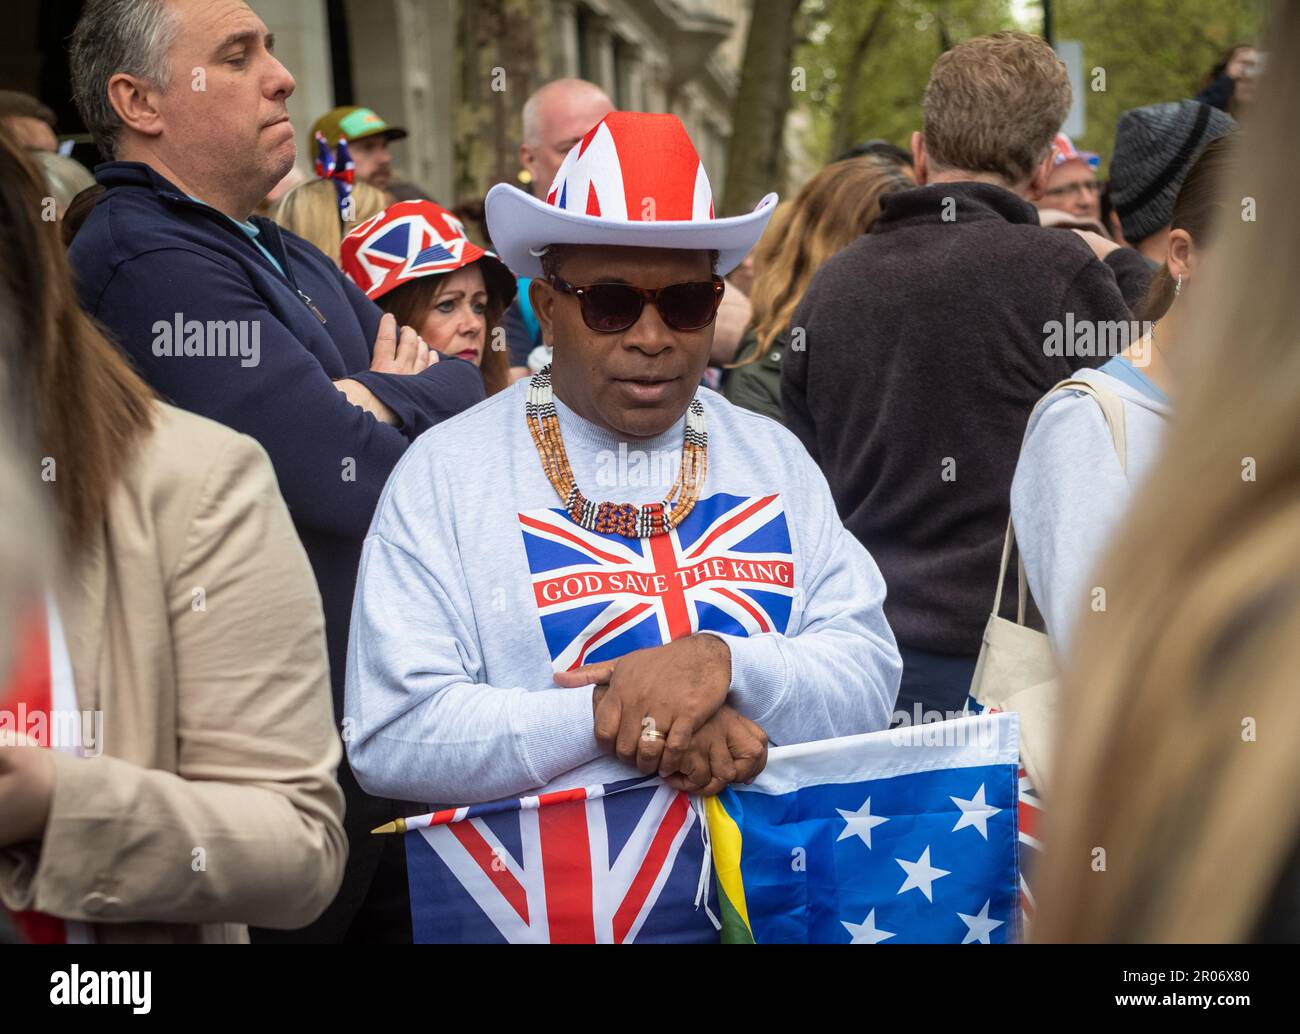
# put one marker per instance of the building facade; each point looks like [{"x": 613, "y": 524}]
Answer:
[{"x": 456, "y": 73}]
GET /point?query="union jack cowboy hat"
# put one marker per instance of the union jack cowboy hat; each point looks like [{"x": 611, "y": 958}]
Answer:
[
  {"x": 634, "y": 180},
  {"x": 414, "y": 239}
]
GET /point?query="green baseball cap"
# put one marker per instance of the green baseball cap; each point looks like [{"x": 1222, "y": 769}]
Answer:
[{"x": 352, "y": 122}]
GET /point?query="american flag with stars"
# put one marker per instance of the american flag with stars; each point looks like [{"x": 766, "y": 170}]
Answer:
[{"x": 906, "y": 836}]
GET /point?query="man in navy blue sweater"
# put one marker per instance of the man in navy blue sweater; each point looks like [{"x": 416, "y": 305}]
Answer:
[{"x": 230, "y": 317}]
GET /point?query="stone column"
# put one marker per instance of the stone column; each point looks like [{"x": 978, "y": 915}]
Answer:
[
  {"x": 302, "y": 45},
  {"x": 633, "y": 73},
  {"x": 600, "y": 47},
  {"x": 404, "y": 66},
  {"x": 653, "y": 92},
  {"x": 564, "y": 40}
]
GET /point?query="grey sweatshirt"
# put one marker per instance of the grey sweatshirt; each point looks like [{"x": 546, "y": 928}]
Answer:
[
  {"x": 475, "y": 588},
  {"x": 1070, "y": 494}
]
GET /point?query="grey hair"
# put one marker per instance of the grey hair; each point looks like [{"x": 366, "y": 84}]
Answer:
[
  {"x": 552, "y": 255},
  {"x": 112, "y": 37},
  {"x": 550, "y": 258}
]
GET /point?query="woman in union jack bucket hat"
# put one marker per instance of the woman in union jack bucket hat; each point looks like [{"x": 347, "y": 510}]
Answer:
[{"x": 415, "y": 260}]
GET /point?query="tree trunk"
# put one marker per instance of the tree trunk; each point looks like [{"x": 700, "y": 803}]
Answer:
[
  {"x": 758, "y": 115},
  {"x": 498, "y": 69},
  {"x": 841, "y": 136}
]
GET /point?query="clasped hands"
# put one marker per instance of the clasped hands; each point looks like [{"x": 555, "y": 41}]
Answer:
[{"x": 664, "y": 709}]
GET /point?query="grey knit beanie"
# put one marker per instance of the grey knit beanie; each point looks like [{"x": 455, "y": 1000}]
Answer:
[{"x": 1154, "y": 148}]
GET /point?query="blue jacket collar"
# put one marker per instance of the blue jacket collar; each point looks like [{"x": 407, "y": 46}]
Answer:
[
  {"x": 114, "y": 175},
  {"x": 120, "y": 175}
]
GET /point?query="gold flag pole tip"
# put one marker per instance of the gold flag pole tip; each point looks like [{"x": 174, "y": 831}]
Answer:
[{"x": 396, "y": 826}]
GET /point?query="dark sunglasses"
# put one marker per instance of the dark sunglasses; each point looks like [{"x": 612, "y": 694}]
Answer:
[{"x": 610, "y": 308}]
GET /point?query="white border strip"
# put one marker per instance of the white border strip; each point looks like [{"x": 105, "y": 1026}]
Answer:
[{"x": 985, "y": 739}]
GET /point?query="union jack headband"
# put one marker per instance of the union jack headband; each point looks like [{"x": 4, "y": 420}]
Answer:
[{"x": 337, "y": 166}]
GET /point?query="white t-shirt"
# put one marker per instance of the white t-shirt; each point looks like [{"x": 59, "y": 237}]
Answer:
[{"x": 63, "y": 699}]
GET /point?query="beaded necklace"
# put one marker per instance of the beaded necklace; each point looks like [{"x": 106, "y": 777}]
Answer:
[{"x": 624, "y": 519}]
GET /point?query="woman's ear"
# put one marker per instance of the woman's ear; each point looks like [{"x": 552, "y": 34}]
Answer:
[
  {"x": 541, "y": 295},
  {"x": 1182, "y": 256}
]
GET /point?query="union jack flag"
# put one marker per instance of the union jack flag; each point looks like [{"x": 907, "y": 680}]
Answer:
[
  {"x": 1029, "y": 810},
  {"x": 728, "y": 567},
  {"x": 634, "y": 167},
  {"x": 606, "y": 864},
  {"x": 407, "y": 240}
]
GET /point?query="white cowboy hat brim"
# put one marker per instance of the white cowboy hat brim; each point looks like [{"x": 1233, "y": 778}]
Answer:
[{"x": 521, "y": 226}]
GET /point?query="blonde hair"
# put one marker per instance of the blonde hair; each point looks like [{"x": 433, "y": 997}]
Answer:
[
  {"x": 994, "y": 104},
  {"x": 833, "y": 209},
  {"x": 311, "y": 210},
  {"x": 64, "y": 178},
  {"x": 1159, "y": 764}
]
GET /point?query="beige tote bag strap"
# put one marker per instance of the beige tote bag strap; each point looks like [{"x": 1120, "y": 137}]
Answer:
[
  {"x": 1007, "y": 543},
  {"x": 1112, "y": 409}
]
